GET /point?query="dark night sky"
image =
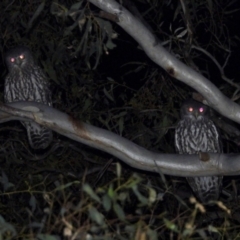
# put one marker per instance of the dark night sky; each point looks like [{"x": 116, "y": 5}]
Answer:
[{"x": 126, "y": 52}]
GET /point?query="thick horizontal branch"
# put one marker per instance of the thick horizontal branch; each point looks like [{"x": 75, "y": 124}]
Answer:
[
  {"x": 167, "y": 61},
  {"x": 129, "y": 152}
]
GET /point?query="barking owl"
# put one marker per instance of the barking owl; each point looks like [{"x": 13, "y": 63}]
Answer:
[
  {"x": 197, "y": 133},
  {"x": 27, "y": 82}
]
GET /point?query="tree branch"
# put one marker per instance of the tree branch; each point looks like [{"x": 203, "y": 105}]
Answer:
[
  {"x": 202, "y": 164},
  {"x": 173, "y": 66}
]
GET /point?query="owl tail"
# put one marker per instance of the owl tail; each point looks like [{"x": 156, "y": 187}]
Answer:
[
  {"x": 207, "y": 189},
  {"x": 39, "y": 137}
]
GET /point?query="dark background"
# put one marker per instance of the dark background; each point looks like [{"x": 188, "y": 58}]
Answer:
[{"x": 100, "y": 75}]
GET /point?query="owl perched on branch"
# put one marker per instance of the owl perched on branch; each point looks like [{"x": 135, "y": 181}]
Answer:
[
  {"x": 197, "y": 133},
  {"x": 27, "y": 82}
]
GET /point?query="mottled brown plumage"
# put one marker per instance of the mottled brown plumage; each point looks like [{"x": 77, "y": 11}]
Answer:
[
  {"x": 197, "y": 133},
  {"x": 27, "y": 82}
]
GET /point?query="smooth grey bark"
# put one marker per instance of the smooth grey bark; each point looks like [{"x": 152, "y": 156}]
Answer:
[
  {"x": 157, "y": 53},
  {"x": 129, "y": 152}
]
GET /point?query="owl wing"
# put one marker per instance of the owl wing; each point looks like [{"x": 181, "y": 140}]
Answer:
[
  {"x": 198, "y": 137},
  {"x": 42, "y": 87},
  {"x": 39, "y": 137},
  {"x": 206, "y": 188}
]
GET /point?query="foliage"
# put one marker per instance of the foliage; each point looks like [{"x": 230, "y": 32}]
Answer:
[
  {"x": 98, "y": 74},
  {"x": 123, "y": 208}
]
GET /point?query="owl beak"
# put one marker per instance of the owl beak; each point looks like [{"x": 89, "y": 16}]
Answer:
[
  {"x": 196, "y": 114},
  {"x": 18, "y": 61}
]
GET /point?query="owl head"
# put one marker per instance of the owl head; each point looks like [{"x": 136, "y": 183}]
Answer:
[
  {"x": 194, "y": 110},
  {"x": 18, "y": 57}
]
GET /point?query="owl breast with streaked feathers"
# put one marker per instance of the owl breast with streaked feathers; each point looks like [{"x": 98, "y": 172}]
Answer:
[
  {"x": 196, "y": 133},
  {"x": 27, "y": 82}
]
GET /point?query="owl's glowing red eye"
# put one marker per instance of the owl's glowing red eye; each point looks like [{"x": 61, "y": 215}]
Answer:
[
  {"x": 12, "y": 60},
  {"x": 201, "y": 109},
  {"x": 22, "y": 56},
  {"x": 190, "y": 109}
]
